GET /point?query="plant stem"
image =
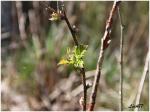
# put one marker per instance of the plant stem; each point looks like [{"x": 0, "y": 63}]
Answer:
[
  {"x": 105, "y": 41},
  {"x": 71, "y": 29},
  {"x": 142, "y": 81},
  {"x": 82, "y": 70},
  {"x": 73, "y": 32},
  {"x": 121, "y": 61}
]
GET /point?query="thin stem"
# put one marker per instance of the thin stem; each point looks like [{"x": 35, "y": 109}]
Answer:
[
  {"x": 71, "y": 29},
  {"x": 73, "y": 32},
  {"x": 82, "y": 70},
  {"x": 121, "y": 61},
  {"x": 142, "y": 81},
  {"x": 105, "y": 41}
]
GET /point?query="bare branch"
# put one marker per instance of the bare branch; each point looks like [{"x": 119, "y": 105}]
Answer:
[
  {"x": 71, "y": 29},
  {"x": 121, "y": 61},
  {"x": 105, "y": 41},
  {"x": 142, "y": 81},
  {"x": 82, "y": 72}
]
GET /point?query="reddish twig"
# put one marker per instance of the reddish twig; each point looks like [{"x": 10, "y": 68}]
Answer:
[{"x": 105, "y": 41}]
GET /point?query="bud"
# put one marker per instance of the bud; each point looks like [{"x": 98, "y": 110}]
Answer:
[
  {"x": 75, "y": 29},
  {"x": 81, "y": 101}
]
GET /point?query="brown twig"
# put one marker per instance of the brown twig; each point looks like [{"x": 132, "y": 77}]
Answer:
[
  {"x": 105, "y": 41},
  {"x": 73, "y": 32},
  {"x": 82, "y": 70},
  {"x": 142, "y": 81},
  {"x": 121, "y": 61},
  {"x": 71, "y": 29}
]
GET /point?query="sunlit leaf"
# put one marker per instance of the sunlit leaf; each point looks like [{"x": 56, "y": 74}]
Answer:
[
  {"x": 63, "y": 62},
  {"x": 75, "y": 57}
]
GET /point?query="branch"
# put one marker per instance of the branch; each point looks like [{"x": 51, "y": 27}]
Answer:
[
  {"x": 105, "y": 41},
  {"x": 82, "y": 70},
  {"x": 142, "y": 81},
  {"x": 71, "y": 29},
  {"x": 121, "y": 61}
]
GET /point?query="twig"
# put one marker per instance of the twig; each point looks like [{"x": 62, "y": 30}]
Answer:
[
  {"x": 121, "y": 61},
  {"x": 71, "y": 29},
  {"x": 142, "y": 81},
  {"x": 105, "y": 41},
  {"x": 82, "y": 70}
]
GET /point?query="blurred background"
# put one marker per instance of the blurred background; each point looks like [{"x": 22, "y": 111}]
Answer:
[{"x": 31, "y": 47}]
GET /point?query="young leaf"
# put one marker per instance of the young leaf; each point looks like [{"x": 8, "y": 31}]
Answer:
[
  {"x": 75, "y": 57},
  {"x": 63, "y": 62}
]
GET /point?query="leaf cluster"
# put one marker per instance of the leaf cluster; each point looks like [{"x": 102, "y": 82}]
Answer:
[{"x": 75, "y": 57}]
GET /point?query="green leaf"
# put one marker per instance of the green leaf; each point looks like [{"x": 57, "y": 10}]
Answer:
[{"x": 75, "y": 57}]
